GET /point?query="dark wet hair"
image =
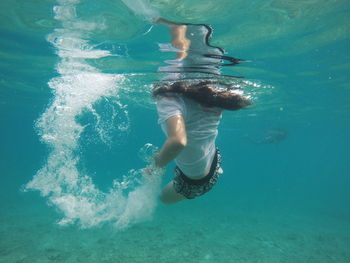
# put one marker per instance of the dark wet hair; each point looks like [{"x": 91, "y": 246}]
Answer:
[{"x": 205, "y": 93}]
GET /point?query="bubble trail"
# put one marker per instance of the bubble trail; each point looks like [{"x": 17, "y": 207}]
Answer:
[{"x": 76, "y": 89}]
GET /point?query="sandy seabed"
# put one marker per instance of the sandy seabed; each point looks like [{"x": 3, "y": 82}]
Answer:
[{"x": 196, "y": 231}]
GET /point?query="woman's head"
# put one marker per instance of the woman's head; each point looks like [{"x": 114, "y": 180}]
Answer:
[{"x": 207, "y": 93}]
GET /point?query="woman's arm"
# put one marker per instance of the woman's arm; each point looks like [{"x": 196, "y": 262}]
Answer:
[
  {"x": 178, "y": 35},
  {"x": 176, "y": 141}
]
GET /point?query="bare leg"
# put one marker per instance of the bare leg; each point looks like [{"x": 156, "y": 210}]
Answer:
[{"x": 169, "y": 195}]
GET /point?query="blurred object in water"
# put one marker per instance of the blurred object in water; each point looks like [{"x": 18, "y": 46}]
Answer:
[{"x": 271, "y": 136}]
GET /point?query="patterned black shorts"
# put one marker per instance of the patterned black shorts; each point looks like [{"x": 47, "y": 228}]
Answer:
[{"x": 191, "y": 188}]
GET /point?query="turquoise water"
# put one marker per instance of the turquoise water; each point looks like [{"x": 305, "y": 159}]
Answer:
[{"x": 76, "y": 110}]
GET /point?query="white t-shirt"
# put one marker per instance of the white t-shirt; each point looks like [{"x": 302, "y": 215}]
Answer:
[{"x": 201, "y": 127}]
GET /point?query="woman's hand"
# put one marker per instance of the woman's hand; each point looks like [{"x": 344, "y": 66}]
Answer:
[{"x": 151, "y": 172}]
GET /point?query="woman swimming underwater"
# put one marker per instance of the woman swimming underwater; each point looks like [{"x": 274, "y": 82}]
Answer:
[{"x": 190, "y": 101}]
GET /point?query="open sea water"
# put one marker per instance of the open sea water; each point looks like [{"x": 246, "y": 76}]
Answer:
[{"x": 76, "y": 113}]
